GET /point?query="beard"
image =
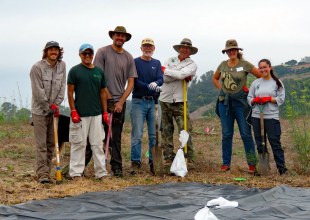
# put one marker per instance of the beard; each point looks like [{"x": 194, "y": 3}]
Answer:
[
  {"x": 118, "y": 43},
  {"x": 148, "y": 53}
]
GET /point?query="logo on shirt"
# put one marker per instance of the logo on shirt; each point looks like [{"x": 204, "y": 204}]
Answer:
[{"x": 153, "y": 67}]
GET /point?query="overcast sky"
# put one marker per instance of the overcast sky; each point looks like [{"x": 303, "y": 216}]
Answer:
[{"x": 274, "y": 29}]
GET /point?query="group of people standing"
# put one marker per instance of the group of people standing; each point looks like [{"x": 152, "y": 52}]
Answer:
[
  {"x": 99, "y": 86},
  {"x": 236, "y": 102}
]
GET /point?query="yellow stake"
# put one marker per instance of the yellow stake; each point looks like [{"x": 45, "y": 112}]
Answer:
[{"x": 185, "y": 111}]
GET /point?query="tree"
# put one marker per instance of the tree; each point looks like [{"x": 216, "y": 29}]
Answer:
[
  {"x": 9, "y": 110},
  {"x": 291, "y": 63}
]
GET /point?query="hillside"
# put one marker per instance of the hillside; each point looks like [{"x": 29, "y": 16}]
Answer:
[{"x": 202, "y": 93}]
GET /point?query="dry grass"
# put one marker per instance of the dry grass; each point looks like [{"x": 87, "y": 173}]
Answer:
[{"x": 17, "y": 171}]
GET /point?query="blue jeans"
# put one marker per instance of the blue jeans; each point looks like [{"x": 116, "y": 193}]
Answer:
[
  {"x": 236, "y": 111},
  {"x": 272, "y": 130},
  {"x": 141, "y": 110}
]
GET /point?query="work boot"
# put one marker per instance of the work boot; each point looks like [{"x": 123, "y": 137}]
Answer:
[
  {"x": 135, "y": 167},
  {"x": 118, "y": 172},
  {"x": 225, "y": 168},
  {"x": 252, "y": 169},
  {"x": 44, "y": 179},
  {"x": 282, "y": 170}
]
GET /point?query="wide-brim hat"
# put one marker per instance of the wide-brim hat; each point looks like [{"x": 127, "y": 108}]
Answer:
[
  {"x": 231, "y": 44},
  {"x": 122, "y": 30},
  {"x": 186, "y": 43}
]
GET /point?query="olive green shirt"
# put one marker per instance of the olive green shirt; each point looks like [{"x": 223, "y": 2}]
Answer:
[{"x": 234, "y": 78}]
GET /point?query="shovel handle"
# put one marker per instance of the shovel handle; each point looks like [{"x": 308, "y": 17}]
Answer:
[
  {"x": 262, "y": 131},
  {"x": 108, "y": 136},
  {"x": 185, "y": 109},
  {"x": 58, "y": 172}
]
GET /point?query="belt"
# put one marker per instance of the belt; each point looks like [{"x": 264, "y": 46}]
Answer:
[{"x": 146, "y": 97}]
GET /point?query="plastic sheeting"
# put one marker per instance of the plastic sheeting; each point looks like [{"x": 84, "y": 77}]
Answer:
[{"x": 169, "y": 201}]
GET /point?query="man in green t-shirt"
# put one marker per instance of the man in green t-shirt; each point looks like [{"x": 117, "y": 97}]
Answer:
[{"x": 87, "y": 82}]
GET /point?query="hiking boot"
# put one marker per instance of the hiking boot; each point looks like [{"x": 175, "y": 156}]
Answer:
[
  {"x": 135, "y": 167},
  {"x": 282, "y": 170},
  {"x": 225, "y": 168},
  {"x": 44, "y": 180},
  {"x": 118, "y": 173},
  {"x": 252, "y": 169}
]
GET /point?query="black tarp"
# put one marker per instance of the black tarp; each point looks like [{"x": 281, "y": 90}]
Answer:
[{"x": 169, "y": 201}]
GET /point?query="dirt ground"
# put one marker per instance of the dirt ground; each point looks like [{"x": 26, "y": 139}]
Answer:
[{"x": 17, "y": 169}]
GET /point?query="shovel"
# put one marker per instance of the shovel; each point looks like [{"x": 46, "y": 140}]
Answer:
[
  {"x": 157, "y": 151},
  {"x": 58, "y": 171},
  {"x": 108, "y": 137},
  {"x": 264, "y": 156},
  {"x": 184, "y": 113}
]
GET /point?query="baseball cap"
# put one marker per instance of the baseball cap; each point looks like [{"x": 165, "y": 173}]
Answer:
[
  {"x": 51, "y": 44},
  {"x": 84, "y": 47},
  {"x": 147, "y": 41}
]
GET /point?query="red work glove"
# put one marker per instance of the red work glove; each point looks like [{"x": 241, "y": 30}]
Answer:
[
  {"x": 189, "y": 78},
  {"x": 75, "y": 116},
  {"x": 256, "y": 100},
  {"x": 105, "y": 117},
  {"x": 163, "y": 69},
  {"x": 55, "y": 110},
  {"x": 245, "y": 89},
  {"x": 266, "y": 99}
]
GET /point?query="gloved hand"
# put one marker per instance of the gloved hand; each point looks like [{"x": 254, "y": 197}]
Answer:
[
  {"x": 256, "y": 100},
  {"x": 75, "y": 116},
  {"x": 266, "y": 99},
  {"x": 55, "y": 110},
  {"x": 163, "y": 69},
  {"x": 152, "y": 86},
  {"x": 157, "y": 89},
  {"x": 245, "y": 89},
  {"x": 105, "y": 117},
  {"x": 189, "y": 78}
]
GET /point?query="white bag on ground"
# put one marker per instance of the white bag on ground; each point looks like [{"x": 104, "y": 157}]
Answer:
[
  {"x": 178, "y": 166},
  {"x": 205, "y": 214},
  {"x": 221, "y": 203}
]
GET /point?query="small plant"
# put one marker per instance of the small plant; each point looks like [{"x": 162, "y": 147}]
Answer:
[
  {"x": 297, "y": 108},
  {"x": 301, "y": 139}
]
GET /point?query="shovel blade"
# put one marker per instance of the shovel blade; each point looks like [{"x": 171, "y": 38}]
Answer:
[
  {"x": 264, "y": 163},
  {"x": 157, "y": 160}
]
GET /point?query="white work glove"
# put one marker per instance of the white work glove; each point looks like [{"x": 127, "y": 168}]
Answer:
[
  {"x": 152, "y": 86},
  {"x": 157, "y": 89}
]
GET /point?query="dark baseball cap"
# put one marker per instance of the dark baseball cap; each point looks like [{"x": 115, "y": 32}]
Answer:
[{"x": 51, "y": 44}]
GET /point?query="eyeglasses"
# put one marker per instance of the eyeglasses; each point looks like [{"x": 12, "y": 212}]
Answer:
[
  {"x": 231, "y": 50},
  {"x": 88, "y": 54},
  {"x": 147, "y": 45}
]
